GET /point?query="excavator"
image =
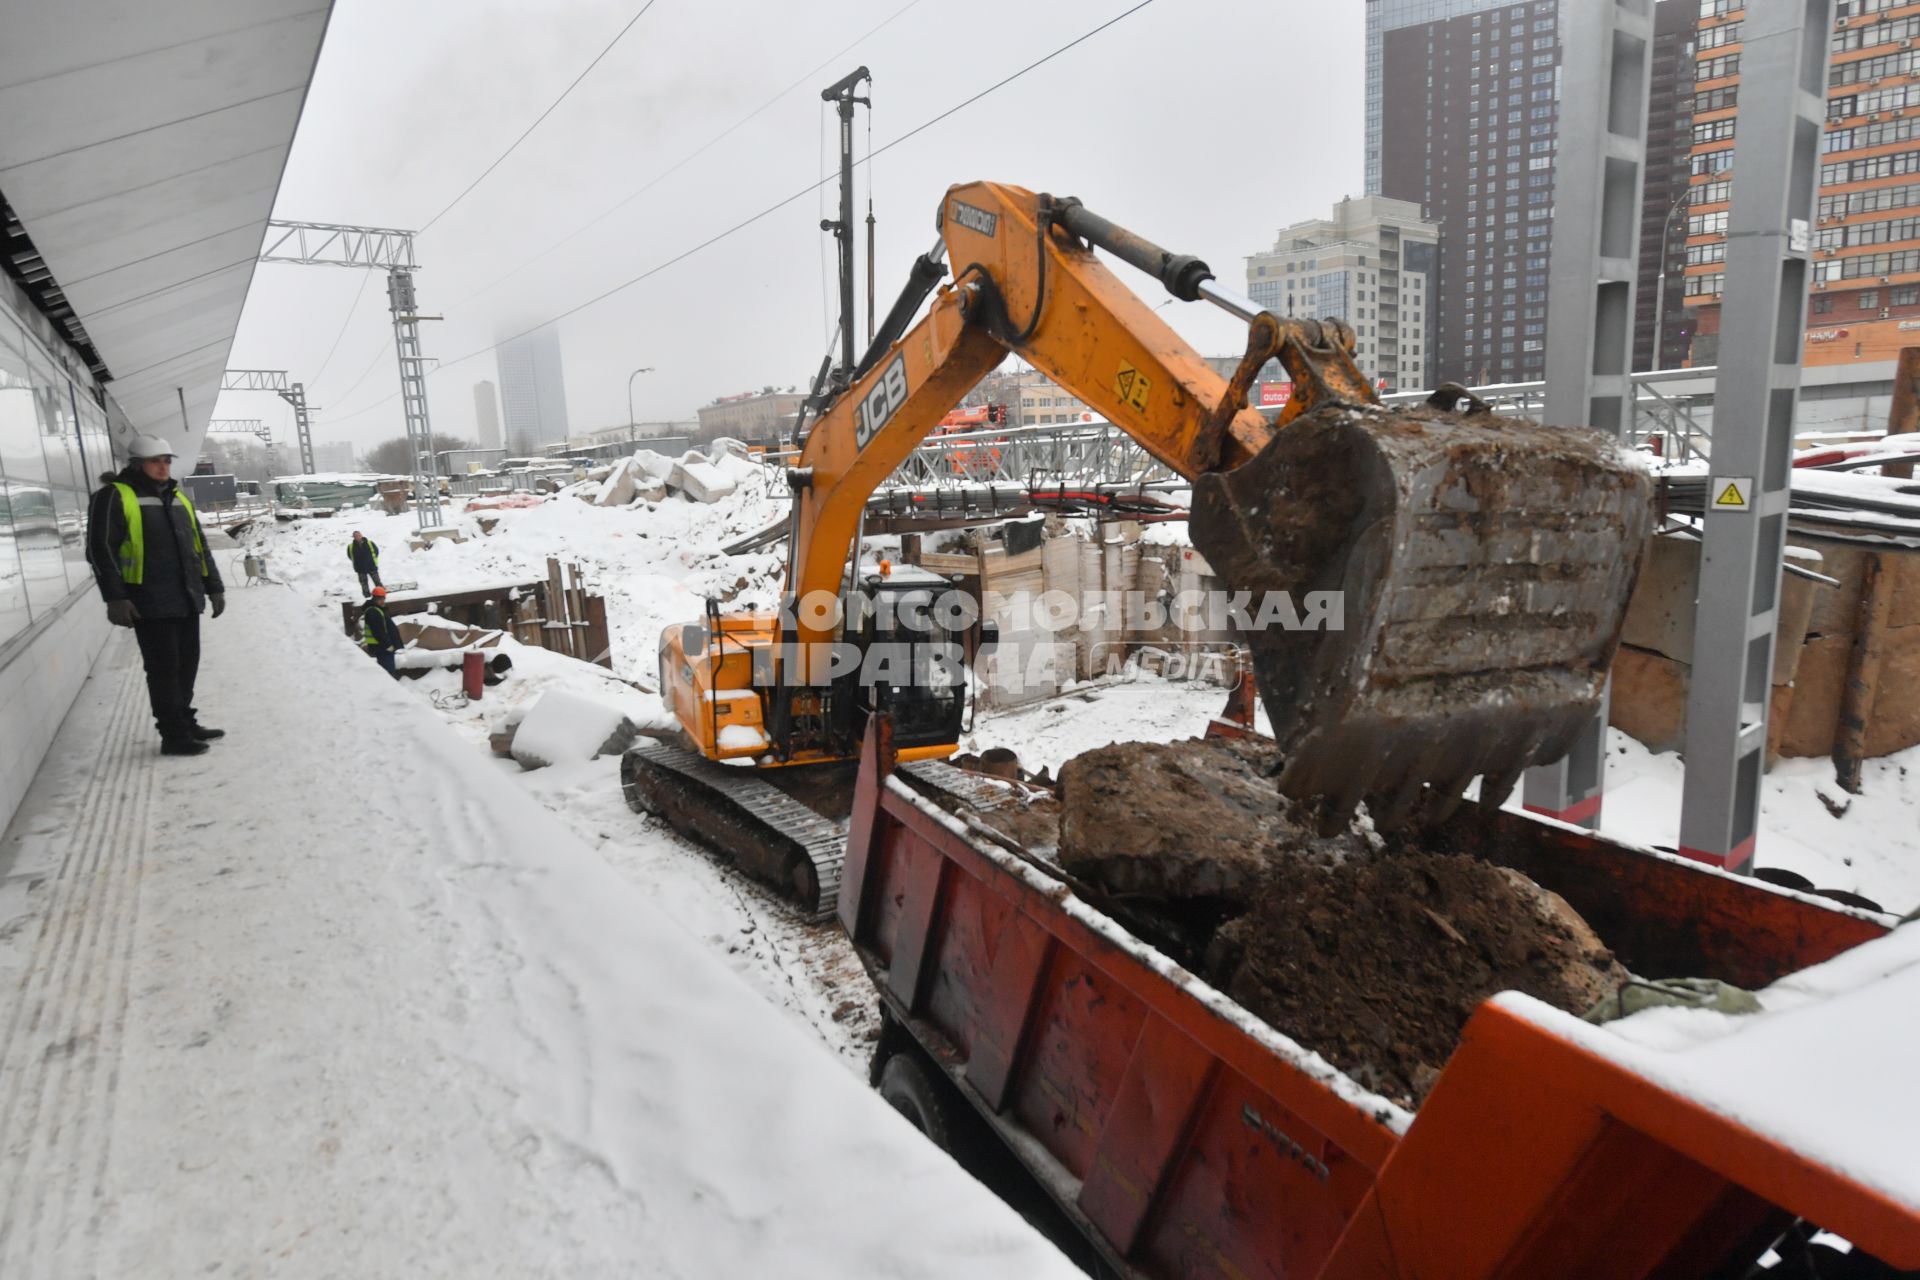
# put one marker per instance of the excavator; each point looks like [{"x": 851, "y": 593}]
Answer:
[{"x": 1483, "y": 562}]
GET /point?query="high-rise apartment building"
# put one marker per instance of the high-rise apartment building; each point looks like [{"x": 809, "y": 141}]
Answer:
[
  {"x": 1463, "y": 100},
  {"x": 486, "y": 414},
  {"x": 1469, "y": 110},
  {"x": 1864, "y": 303},
  {"x": 533, "y": 392},
  {"x": 1660, "y": 314},
  {"x": 1371, "y": 265}
]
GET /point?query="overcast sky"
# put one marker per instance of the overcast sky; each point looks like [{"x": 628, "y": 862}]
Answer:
[{"x": 1203, "y": 124}]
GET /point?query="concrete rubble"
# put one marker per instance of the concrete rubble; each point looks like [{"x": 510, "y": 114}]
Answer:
[{"x": 650, "y": 477}]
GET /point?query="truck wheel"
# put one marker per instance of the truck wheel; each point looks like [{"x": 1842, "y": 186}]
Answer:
[{"x": 906, "y": 1084}]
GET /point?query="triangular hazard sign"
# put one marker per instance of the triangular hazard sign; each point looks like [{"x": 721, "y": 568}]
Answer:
[
  {"x": 1124, "y": 383},
  {"x": 1731, "y": 496}
]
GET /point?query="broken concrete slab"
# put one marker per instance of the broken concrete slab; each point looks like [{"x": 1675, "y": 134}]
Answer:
[
  {"x": 656, "y": 465},
  {"x": 701, "y": 480},
  {"x": 616, "y": 488}
]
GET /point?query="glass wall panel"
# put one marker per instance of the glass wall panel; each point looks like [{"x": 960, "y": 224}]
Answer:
[
  {"x": 16, "y": 399},
  {"x": 36, "y": 534},
  {"x": 60, "y": 448}
]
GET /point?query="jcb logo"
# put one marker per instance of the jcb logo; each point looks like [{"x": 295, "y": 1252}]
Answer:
[
  {"x": 881, "y": 403},
  {"x": 975, "y": 219}
]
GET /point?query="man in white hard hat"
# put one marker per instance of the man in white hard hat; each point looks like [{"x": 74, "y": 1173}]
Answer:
[{"x": 151, "y": 561}]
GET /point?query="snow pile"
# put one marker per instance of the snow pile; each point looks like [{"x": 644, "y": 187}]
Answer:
[{"x": 564, "y": 728}]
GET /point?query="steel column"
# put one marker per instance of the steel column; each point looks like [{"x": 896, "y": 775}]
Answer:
[
  {"x": 413, "y": 395},
  {"x": 1775, "y": 168},
  {"x": 1606, "y": 59}
]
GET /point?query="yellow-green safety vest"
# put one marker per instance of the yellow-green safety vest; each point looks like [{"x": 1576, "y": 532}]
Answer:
[
  {"x": 367, "y": 639},
  {"x": 133, "y": 551}
]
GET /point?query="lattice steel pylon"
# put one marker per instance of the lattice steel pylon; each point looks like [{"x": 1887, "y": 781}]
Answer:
[
  {"x": 326, "y": 244},
  {"x": 276, "y": 381}
]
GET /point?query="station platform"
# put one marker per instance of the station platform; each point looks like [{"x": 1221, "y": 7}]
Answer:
[{"x": 329, "y": 1000}]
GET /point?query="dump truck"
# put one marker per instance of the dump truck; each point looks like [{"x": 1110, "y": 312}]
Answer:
[{"x": 1180, "y": 1135}]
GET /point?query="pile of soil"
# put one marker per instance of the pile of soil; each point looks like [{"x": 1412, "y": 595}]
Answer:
[
  {"x": 1372, "y": 956},
  {"x": 1376, "y": 964}
]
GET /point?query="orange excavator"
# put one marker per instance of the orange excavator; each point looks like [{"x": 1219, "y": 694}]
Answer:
[{"x": 1482, "y": 564}]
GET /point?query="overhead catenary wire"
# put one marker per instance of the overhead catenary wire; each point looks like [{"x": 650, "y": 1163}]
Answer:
[
  {"x": 773, "y": 208},
  {"x": 695, "y": 154},
  {"x": 352, "y": 308},
  {"x": 551, "y": 107}
]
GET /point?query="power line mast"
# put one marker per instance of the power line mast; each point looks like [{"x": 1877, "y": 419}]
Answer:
[
  {"x": 327, "y": 244},
  {"x": 295, "y": 394}
]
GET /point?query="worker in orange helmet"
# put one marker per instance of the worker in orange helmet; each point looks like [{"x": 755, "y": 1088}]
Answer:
[{"x": 378, "y": 635}]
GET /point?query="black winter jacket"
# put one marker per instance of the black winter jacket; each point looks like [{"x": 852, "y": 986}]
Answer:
[
  {"x": 177, "y": 579},
  {"x": 378, "y": 634},
  {"x": 365, "y": 555}
]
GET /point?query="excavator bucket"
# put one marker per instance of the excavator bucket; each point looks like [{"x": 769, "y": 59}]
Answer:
[{"x": 1483, "y": 566}]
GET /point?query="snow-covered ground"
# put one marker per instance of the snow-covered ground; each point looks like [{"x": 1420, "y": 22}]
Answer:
[
  {"x": 654, "y": 565},
  {"x": 336, "y": 999}
]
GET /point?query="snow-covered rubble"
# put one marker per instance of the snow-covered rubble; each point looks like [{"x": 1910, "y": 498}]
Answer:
[
  {"x": 562, "y": 727},
  {"x": 648, "y": 477}
]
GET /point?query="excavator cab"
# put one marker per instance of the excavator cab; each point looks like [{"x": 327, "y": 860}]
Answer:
[{"x": 913, "y": 668}]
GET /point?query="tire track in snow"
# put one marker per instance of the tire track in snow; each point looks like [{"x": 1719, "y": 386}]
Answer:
[{"x": 65, "y": 1034}]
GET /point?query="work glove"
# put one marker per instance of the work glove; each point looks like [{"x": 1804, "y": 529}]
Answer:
[
  {"x": 121, "y": 613},
  {"x": 219, "y": 601}
]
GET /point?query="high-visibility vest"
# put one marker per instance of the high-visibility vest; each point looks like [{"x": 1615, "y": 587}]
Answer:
[
  {"x": 370, "y": 547},
  {"x": 133, "y": 550},
  {"x": 367, "y": 638}
]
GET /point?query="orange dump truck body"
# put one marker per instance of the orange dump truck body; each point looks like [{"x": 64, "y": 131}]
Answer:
[{"x": 1184, "y": 1137}]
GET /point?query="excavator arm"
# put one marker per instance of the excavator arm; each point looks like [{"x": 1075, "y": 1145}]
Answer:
[
  {"x": 1026, "y": 284},
  {"x": 1483, "y": 564}
]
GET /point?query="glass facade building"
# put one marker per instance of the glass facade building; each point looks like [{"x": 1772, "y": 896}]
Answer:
[{"x": 53, "y": 446}]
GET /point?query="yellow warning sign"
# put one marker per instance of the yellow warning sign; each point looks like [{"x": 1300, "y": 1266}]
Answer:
[
  {"x": 1732, "y": 493},
  {"x": 1132, "y": 386}
]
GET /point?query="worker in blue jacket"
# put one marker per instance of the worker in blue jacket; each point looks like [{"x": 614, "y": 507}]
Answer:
[
  {"x": 364, "y": 553},
  {"x": 378, "y": 635},
  {"x": 150, "y": 560}
]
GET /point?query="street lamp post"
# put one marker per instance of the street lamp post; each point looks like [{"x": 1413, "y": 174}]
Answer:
[{"x": 633, "y": 431}]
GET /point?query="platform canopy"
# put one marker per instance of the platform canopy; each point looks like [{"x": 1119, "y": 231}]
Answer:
[{"x": 141, "y": 147}]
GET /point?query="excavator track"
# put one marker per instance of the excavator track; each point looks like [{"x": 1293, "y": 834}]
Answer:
[{"x": 758, "y": 827}]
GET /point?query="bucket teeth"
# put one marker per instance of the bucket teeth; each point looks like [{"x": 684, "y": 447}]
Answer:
[{"x": 1483, "y": 566}]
